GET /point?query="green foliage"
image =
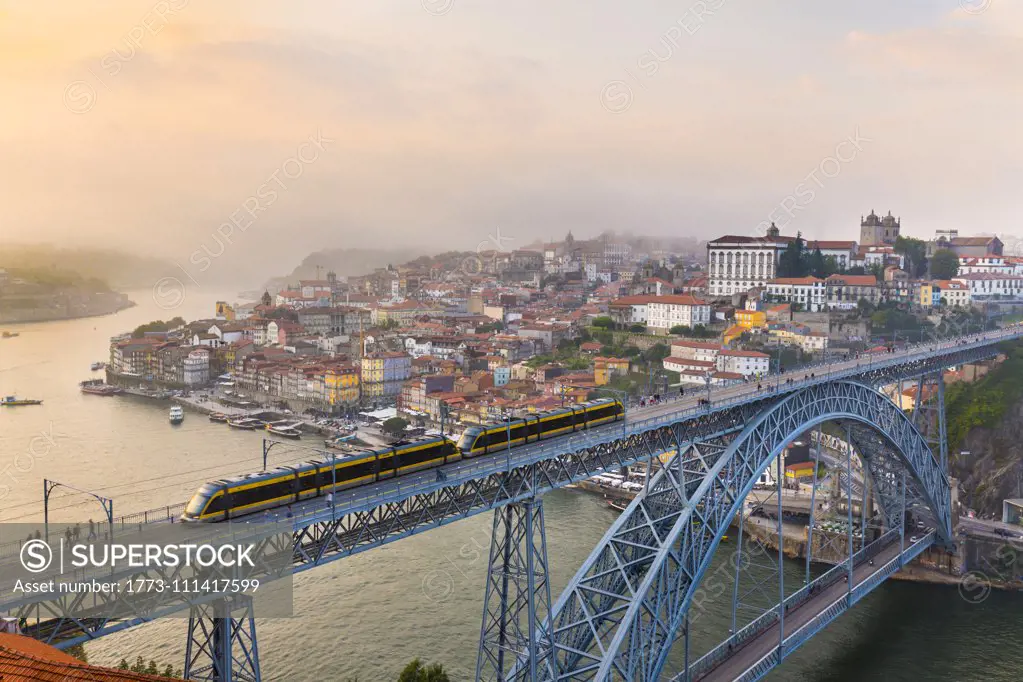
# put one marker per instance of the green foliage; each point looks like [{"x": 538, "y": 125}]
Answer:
[
  {"x": 490, "y": 328},
  {"x": 417, "y": 671},
  {"x": 157, "y": 326},
  {"x": 394, "y": 426},
  {"x": 140, "y": 666},
  {"x": 983, "y": 404},
  {"x": 604, "y": 323},
  {"x": 915, "y": 251},
  {"x": 78, "y": 651},
  {"x": 698, "y": 332},
  {"x": 656, "y": 353},
  {"x": 944, "y": 264},
  {"x": 793, "y": 261},
  {"x": 637, "y": 328}
]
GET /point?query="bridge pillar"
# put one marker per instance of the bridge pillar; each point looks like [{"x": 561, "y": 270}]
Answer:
[
  {"x": 518, "y": 598},
  {"x": 929, "y": 415},
  {"x": 222, "y": 647}
]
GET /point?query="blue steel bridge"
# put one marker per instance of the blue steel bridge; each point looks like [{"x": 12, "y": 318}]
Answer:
[{"x": 631, "y": 601}]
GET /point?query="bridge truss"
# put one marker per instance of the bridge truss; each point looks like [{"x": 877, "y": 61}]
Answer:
[{"x": 628, "y": 602}]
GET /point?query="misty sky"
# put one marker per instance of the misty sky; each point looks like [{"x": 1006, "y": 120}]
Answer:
[{"x": 146, "y": 125}]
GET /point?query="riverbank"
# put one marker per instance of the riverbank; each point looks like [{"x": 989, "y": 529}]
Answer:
[{"x": 62, "y": 308}]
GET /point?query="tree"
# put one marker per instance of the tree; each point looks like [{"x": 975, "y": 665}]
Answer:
[
  {"x": 604, "y": 322},
  {"x": 944, "y": 264},
  {"x": 656, "y": 353},
  {"x": 395, "y": 426},
  {"x": 637, "y": 328},
  {"x": 680, "y": 330},
  {"x": 816, "y": 263},
  {"x": 417, "y": 671},
  {"x": 792, "y": 262},
  {"x": 915, "y": 252}
]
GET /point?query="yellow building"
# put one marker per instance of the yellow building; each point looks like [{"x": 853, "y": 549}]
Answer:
[
  {"x": 732, "y": 333},
  {"x": 930, "y": 294},
  {"x": 794, "y": 472},
  {"x": 751, "y": 319},
  {"x": 342, "y": 385},
  {"x": 225, "y": 311},
  {"x": 604, "y": 369}
]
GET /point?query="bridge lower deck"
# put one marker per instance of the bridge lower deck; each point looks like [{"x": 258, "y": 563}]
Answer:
[{"x": 751, "y": 652}]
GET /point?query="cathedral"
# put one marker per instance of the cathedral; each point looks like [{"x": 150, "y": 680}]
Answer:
[{"x": 877, "y": 231}]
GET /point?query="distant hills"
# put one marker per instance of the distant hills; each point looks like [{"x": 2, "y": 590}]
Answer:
[
  {"x": 345, "y": 262},
  {"x": 119, "y": 270}
]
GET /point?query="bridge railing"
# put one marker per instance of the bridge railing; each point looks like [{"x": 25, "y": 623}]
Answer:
[
  {"x": 721, "y": 652},
  {"x": 164, "y": 514}
]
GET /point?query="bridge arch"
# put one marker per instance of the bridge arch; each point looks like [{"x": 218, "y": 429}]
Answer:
[{"x": 618, "y": 617}]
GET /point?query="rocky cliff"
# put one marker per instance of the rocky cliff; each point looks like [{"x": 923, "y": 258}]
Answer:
[{"x": 985, "y": 432}]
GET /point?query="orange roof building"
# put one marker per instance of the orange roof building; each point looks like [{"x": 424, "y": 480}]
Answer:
[{"x": 23, "y": 659}]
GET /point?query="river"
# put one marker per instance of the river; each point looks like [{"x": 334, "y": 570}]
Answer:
[{"x": 368, "y": 615}]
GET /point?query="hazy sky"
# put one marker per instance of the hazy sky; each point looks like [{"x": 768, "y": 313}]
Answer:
[{"x": 148, "y": 125}]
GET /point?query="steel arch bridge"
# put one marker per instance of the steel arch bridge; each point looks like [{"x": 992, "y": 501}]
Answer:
[
  {"x": 621, "y": 614},
  {"x": 629, "y": 601}
]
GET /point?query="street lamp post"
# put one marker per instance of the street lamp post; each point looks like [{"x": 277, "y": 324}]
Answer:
[{"x": 48, "y": 486}]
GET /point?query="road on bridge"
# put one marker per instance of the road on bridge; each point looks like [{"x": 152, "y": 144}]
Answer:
[{"x": 751, "y": 651}]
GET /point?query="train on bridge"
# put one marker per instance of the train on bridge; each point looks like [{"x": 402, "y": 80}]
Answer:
[{"x": 241, "y": 495}]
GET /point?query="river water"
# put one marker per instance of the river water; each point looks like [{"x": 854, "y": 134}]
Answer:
[{"x": 368, "y": 615}]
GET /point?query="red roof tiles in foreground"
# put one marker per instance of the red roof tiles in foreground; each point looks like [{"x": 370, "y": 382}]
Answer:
[{"x": 23, "y": 659}]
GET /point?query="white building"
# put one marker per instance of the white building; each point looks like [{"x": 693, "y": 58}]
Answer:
[
  {"x": 956, "y": 294},
  {"x": 748, "y": 363},
  {"x": 988, "y": 286},
  {"x": 196, "y": 367},
  {"x": 699, "y": 378},
  {"x": 736, "y": 264},
  {"x": 695, "y": 350},
  {"x": 616, "y": 254},
  {"x": 665, "y": 312},
  {"x": 681, "y": 365},
  {"x": 993, "y": 264},
  {"x": 809, "y": 292}
]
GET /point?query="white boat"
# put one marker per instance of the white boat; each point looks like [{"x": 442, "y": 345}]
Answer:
[{"x": 177, "y": 415}]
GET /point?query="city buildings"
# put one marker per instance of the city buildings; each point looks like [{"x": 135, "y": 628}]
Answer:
[{"x": 384, "y": 372}]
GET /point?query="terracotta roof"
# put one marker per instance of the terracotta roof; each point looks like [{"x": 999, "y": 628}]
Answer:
[
  {"x": 737, "y": 239},
  {"x": 744, "y": 354},
  {"x": 23, "y": 659},
  {"x": 681, "y": 299},
  {"x": 833, "y": 245},
  {"x": 972, "y": 241},
  {"x": 798, "y": 281},
  {"x": 853, "y": 280},
  {"x": 697, "y": 344}
]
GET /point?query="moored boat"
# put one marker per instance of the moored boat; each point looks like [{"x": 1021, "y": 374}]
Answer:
[
  {"x": 98, "y": 387},
  {"x": 247, "y": 423},
  {"x": 14, "y": 401},
  {"x": 285, "y": 431},
  {"x": 218, "y": 417},
  {"x": 177, "y": 415},
  {"x": 10, "y": 335},
  {"x": 97, "y": 366}
]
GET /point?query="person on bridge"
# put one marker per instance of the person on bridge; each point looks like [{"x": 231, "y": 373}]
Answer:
[{"x": 330, "y": 500}]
